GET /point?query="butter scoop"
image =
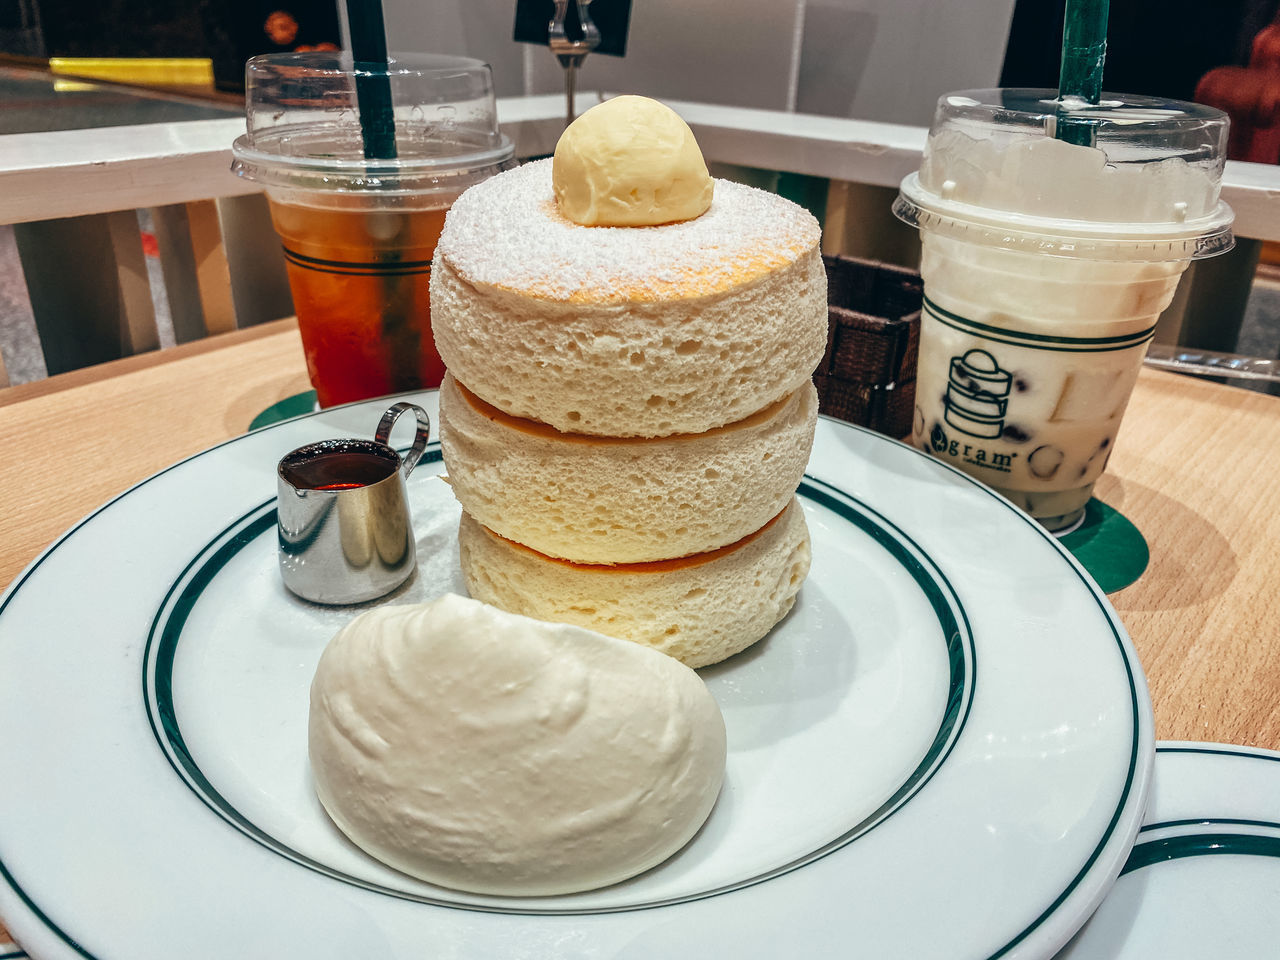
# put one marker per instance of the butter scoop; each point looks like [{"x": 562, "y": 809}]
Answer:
[{"x": 630, "y": 162}]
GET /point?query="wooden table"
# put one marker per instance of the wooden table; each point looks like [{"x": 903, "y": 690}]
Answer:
[{"x": 1196, "y": 468}]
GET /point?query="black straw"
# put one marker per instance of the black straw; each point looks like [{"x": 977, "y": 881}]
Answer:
[
  {"x": 373, "y": 86},
  {"x": 1084, "y": 49},
  {"x": 1084, "y": 53}
]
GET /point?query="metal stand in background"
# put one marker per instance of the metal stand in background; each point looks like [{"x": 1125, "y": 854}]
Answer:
[{"x": 571, "y": 53}]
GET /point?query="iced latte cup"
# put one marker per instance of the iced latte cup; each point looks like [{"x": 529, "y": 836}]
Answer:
[{"x": 1046, "y": 264}]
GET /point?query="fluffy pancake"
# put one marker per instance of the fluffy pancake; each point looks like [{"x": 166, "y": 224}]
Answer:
[
  {"x": 623, "y": 500},
  {"x": 627, "y": 331},
  {"x": 698, "y": 609}
]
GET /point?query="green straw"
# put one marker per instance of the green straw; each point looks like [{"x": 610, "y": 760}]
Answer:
[
  {"x": 373, "y": 86},
  {"x": 1084, "y": 51}
]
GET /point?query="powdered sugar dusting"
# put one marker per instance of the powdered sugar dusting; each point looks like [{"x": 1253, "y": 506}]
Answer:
[{"x": 506, "y": 232}]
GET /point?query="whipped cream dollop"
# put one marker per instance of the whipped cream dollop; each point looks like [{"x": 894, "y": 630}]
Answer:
[
  {"x": 630, "y": 162},
  {"x": 497, "y": 754}
]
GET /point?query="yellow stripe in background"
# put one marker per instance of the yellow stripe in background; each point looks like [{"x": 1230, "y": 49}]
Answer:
[{"x": 148, "y": 71}]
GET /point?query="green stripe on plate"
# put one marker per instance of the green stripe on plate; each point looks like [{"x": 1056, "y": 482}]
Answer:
[
  {"x": 1202, "y": 845},
  {"x": 1224, "y": 750},
  {"x": 166, "y": 634}
]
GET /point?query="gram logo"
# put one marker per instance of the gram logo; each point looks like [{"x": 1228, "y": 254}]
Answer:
[{"x": 938, "y": 438}]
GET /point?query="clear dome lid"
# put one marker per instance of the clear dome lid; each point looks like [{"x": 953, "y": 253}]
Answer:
[
  {"x": 303, "y": 120},
  {"x": 1125, "y": 178}
]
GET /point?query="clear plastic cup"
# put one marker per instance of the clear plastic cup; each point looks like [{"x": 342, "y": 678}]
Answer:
[
  {"x": 1045, "y": 267},
  {"x": 359, "y": 234}
]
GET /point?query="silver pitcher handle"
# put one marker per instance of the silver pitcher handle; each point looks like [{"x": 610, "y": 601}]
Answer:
[{"x": 383, "y": 433}]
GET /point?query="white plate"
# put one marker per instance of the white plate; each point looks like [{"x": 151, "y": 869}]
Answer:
[
  {"x": 1203, "y": 879},
  {"x": 943, "y": 751}
]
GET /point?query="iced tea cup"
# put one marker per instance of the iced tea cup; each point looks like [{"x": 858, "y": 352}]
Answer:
[
  {"x": 359, "y": 233},
  {"x": 1046, "y": 265}
]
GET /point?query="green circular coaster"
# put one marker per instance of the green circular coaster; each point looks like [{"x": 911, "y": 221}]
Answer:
[
  {"x": 1109, "y": 546},
  {"x": 294, "y": 406}
]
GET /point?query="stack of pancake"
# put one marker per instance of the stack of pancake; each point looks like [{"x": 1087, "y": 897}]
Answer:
[{"x": 629, "y": 410}]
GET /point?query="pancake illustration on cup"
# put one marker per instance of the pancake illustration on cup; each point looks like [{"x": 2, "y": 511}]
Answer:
[{"x": 977, "y": 394}]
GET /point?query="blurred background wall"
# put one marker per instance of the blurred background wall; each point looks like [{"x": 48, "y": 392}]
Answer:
[
  {"x": 869, "y": 59},
  {"x": 850, "y": 58}
]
